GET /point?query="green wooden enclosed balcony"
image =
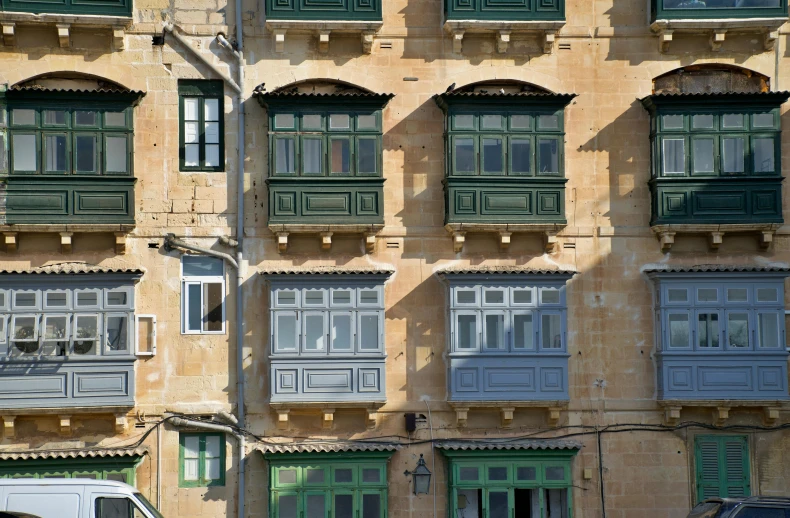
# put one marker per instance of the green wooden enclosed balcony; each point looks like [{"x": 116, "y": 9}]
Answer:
[{"x": 69, "y": 7}]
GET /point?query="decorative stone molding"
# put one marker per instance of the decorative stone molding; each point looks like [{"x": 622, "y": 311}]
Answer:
[
  {"x": 326, "y": 410},
  {"x": 371, "y": 418},
  {"x": 328, "y": 418},
  {"x": 717, "y": 30},
  {"x": 666, "y": 233},
  {"x": 325, "y": 233},
  {"x": 65, "y": 424},
  {"x": 505, "y": 232},
  {"x": 9, "y": 432},
  {"x": 10, "y": 241},
  {"x": 63, "y": 35},
  {"x": 9, "y": 34},
  {"x": 502, "y": 30},
  {"x": 323, "y": 30},
  {"x": 121, "y": 423},
  {"x": 65, "y": 242},
  {"x": 507, "y": 410},
  {"x": 721, "y": 409}
]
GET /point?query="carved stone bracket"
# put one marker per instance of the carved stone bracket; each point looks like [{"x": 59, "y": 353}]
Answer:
[
  {"x": 506, "y": 416},
  {"x": 120, "y": 243},
  {"x": 502, "y": 41},
  {"x": 63, "y": 35},
  {"x": 282, "y": 419},
  {"x": 458, "y": 40},
  {"x": 715, "y": 239},
  {"x": 9, "y": 432},
  {"x": 121, "y": 423},
  {"x": 326, "y": 240},
  {"x": 672, "y": 415},
  {"x": 554, "y": 414},
  {"x": 714, "y": 232},
  {"x": 549, "y": 37},
  {"x": 323, "y": 41},
  {"x": 370, "y": 243},
  {"x": 279, "y": 40},
  {"x": 65, "y": 424},
  {"x": 10, "y": 240},
  {"x": 664, "y": 39},
  {"x": 504, "y": 240},
  {"x": 717, "y": 39},
  {"x": 367, "y": 42},
  {"x": 765, "y": 239},
  {"x": 717, "y": 29},
  {"x": 9, "y": 34},
  {"x": 550, "y": 242},
  {"x": 769, "y": 40},
  {"x": 325, "y": 232},
  {"x": 461, "y": 416},
  {"x": 771, "y": 415},
  {"x": 65, "y": 242},
  {"x": 459, "y": 238},
  {"x": 282, "y": 242},
  {"x": 327, "y": 418},
  {"x": 720, "y": 415},
  {"x": 371, "y": 416},
  {"x": 118, "y": 38}
]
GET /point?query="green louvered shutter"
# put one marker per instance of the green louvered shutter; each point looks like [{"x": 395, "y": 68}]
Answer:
[{"x": 722, "y": 465}]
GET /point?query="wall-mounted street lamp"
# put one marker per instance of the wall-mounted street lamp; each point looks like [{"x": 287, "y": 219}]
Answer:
[{"x": 421, "y": 477}]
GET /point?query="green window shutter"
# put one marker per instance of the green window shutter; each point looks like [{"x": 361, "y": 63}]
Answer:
[
  {"x": 722, "y": 465},
  {"x": 707, "y": 460},
  {"x": 735, "y": 455}
]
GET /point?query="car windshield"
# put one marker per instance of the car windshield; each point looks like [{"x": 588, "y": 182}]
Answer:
[
  {"x": 148, "y": 505},
  {"x": 705, "y": 510}
]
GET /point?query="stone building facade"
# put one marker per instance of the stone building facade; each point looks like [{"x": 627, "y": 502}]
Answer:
[{"x": 540, "y": 244}]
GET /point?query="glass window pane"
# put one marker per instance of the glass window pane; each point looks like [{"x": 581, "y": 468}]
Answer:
[
  {"x": 344, "y": 506},
  {"x": 191, "y": 134},
  {"x": 284, "y": 120},
  {"x": 464, "y": 121},
  {"x": 212, "y": 309},
  {"x": 341, "y": 156},
  {"x": 763, "y": 120},
  {"x": 703, "y": 155},
  {"x": 85, "y": 118},
  {"x": 191, "y": 469},
  {"x": 56, "y": 300},
  {"x": 520, "y": 156},
  {"x": 202, "y": 266},
  {"x": 674, "y": 156},
  {"x": 492, "y": 155},
  {"x": 371, "y": 505},
  {"x": 467, "y": 331},
  {"x": 468, "y": 473},
  {"x": 24, "y": 152},
  {"x": 767, "y": 294},
  {"x": 737, "y": 295},
  {"x": 286, "y": 297},
  {"x": 313, "y": 152},
  {"x": 369, "y": 327},
  {"x": 465, "y": 296},
  {"x": 522, "y": 296},
  {"x": 551, "y": 329},
  {"x": 522, "y": 331},
  {"x": 548, "y": 156},
  {"x": 86, "y": 331},
  {"x": 464, "y": 155},
  {"x": 678, "y": 330},
  {"x": 702, "y": 122},
  {"x": 315, "y": 476},
  {"x": 211, "y": 132},
  {"x": 86, "y": 153},
  {"x": 708, "y": 330},
  {"x": 371, "y": 475},
  {"x": 118, "y": 333},
  {"x": 344, "y": 475},
  {"x": 494, "y": 296},
  {"x": 520, "y": 121},
  {"x": 339, "y": 121},
  {"x": 286, "y": 476},
  {"x": 733, "y": 155},
  {"x": 366, "y": 121},
  {"x": 55, "y": 117},
  {"x": 87, "y": 299},
  {"x": 768, "y": 329},
  {"x": 491, "y": 122},
  {"x": 213, "y": 471},
  {"x": 677, "y": 295},
  {"x": 315, "y": 338},
  {"x": 23, "y": 117},
  {"x": 495, "y": 331},
  {"x": 213, "y": 446},
  {"x": 286, "y": 506},
  {"x": 211, "y": 109},
  {"x": 732, "y": 120},
  {"x": 212, "y": 155},
  {"x": 316, "y": 505},
  {"x": 311, "y": 297},
  {"x": 285, "y": 151},
  {"x": 763, "y": 151},
  {"x": 526, "y": 473},
  {"x": 341, "y": 332},
  {"x": 191, "y": 155},
  {"x": 24, "y": 300},
  {"x": 311, "y": 121},
  {"x": 368, "y": 297},
  {"x": 738, "y": 330},
  {"x": 707, "y": 294},
  {"x": 548, "y": 122},
  {"x": 118, "y": 119},
  {"x": 497, "y": 473},
  {"x": 341, "y": 297},
  {"x": 549, "y": 296},
  {"x": 672, "y": 121},
  {"x": 286, "y": 332},
  {"x": 367, "y": 155},
  {"x": 24, "y": 328},
  {"x": 556, "y": 503},
  {"x": 498, "y": 504},
  {"x": 116, "y": 154},
  {"x": 555, "y": 473},
  {"x": 55, "y": 153}
]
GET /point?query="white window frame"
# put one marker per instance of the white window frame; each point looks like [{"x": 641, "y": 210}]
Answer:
[
  {"x": 534, "y": 334},
  {"x": 129, "y": 299},
  {"x": 105, "y": 335},
  {"x": 4, "y": 334},
  {"x": 695, "y": 329},
  {"x": 358, "y": 330},
  {"x": 36, "y": 329},
  {"x": 187, "y": 280},
  {"x": 779, "y": 332},
  {"x": 666, "y": 329},
  {"x": 46, "y": 341},
  {"x": 44, "y": 305},
  {"x": 137, "y": 319},
  {"x": 6, "y": 302},
  {"x": 36, "y": 294},
  {"x": 551, "y": 312},
  {"x": 276, "y": 333},
  {"x": 77, "y": 293},
  {"x": 477, "y": 336},
  {"x": 352, "y": 328},
  {"x": 501, "y": 347},
  {"x": 302, "y": 347}
]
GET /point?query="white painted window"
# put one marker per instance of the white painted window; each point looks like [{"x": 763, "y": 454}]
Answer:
[{"x": 202, "y": 295}]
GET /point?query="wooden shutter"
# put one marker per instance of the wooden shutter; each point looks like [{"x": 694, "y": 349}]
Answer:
[{"x": 722, "y": 465}]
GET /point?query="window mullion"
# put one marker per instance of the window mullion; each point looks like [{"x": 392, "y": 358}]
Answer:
[{"x": 201, "y": 131}]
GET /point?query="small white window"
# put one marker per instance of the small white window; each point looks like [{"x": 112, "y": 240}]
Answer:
[
  {"x": 342, "y": 297},
  {"x": 87, "y": 299},
  {"x": 202, "y": 295},
  {"x": 145, "y": 338},
  {"x": 314, "y": 298},
  {"x": 120, "y": 298},
  {"x": 466, "y": 296}
]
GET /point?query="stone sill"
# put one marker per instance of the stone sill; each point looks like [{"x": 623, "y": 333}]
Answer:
[
  {"x": 63, "y": 23},
  {"x": 666, "y": 233},
  {"x": 717, "y": 29},
  {"x": 282, "y": 231},
  {"x": 505, "y": 231},
  {"x": 323, "y": 28},
  {"x": 326, "y": 409},
  {"x": 721, "y": 408},
  {"x": 66, "y": 231},
  {"x": 507, "y": 409},
  {"x": 502, "y": 29}
]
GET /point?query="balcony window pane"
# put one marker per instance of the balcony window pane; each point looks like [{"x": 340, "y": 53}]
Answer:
[
  {"x": 339, "y": 121},
  {"x": 56, "y": 300},
  {"x": 55, "y": 117},
  {"x": 311, "y": 121},
  {"x": 344, "y": 506},
  {"x": 342, "y": 334},
  {"x": 703, "y": 155},
  {"x": 498, "y": 504},
  {"x": 549, "y": 296},
  {"x": 312, "y": 297},
  {"x": 87, "y": 299},
  {"x": 464, "y": 121},
  {"x": 118, "y": 119},
  {"x": 738, "y": 330},
  {"x": 371, "y": 475},
  {"x": 707, "y": 295},
  {"x": 118, "y": 333},
  {"x": 494, "y": 296},
  {"x": 316, "y": 505},
  {"x": 212, "y": 306},
  {"x": 371, "y": 505},
  {"x": 468, "y": 474},
  {"x": 737, "y": 295},
  {"x": 369, "y": 328},
  {"x": 767, "y": 295},
  {"x": 85, "y": 334},
  {"x": 86, "y": 153},
  {"x": 708, "y": 330},
  {"x": 344, "y": 475},
  {"x": 287, "y": 507},
  {"x": 24, "y": 328},
  {"x": 24, "y": 300},
  {"x": 202, "y": 266},
  {"x": 464, "y": 155},
  {"x": 522, "y": 331},
  {"x": 467, "y": 331},
  {"x": 520, "y": 122},
  {"x": 497, "y": 473},
  {"x": 492, "y": 122},
  {"x": 677, "y": 295},
  {"x": 548, "y": 122},
  {"x": 315, "y": 476},
  {"x": 368, "y": 297},
  {"x": 85, "y": 118},
  {"x": 286, "y": 298},
  {"x": 522, "y": 296},
  {"x": 24, "y": 152},
  {"x": 492, "y": 155},
  {"x": 366, "y": 122},
  {"x": 520, "y": 156},
  {"x": 55, "y": 153},
  {"x": 763, "y": 120},
  {"x": 551, "y": 329},
  {"x": 367, "y": 155},
  {"x": 211, "y": 110},
  {"x": 116, "y": 154},
  {"x": 314, "y": 333},
  {"x": 285, "y": 338},
  {"x": 674, "y": 156},
  {"x": 702, "y": 122},
  {"x": 313, "y": 151},
  {"x": 465, "y": 296},
  {"x": 763, "y": 151},
  {"x": 23, "y": 117},
  {"x": 526, "y": 473},
  {"x": 678, "y": 330},
  {"x": 672, "y": 121},
  {"x": 495, "y": 331},
  {"x": 732, "y": 120},
  {"x": 285, "y": 152},
  {"x": 341, "y": 156},
  {"x": 768, "y": 329},
  {"x": 733, "y": 155},
  {"x": 341, "y": 297},
  {"x": 284, "y": 120},
  {"x": 548, "y": 156}
]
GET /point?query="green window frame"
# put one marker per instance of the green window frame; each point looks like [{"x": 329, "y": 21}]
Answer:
[
  {"x": 517, "y": 143},
  {"x": 120, "y": 469},
  {"x": 328, "y": 486},
  {"x": 201, "y": 125},
  {"x": 39, "y": 145},
  {"x": 721, "y": 466},
  {"x": 679, "y": 9},
  {"x": 306, "y": 142},
  {"x": 196, "y": 461},
  {"x": 692, "y": 148}
]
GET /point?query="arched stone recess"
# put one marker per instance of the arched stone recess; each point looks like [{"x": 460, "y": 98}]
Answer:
[
  {"x": 123, "y": 77},
  {"x": 715, "y": 153},
  {"x": 658, "y": 69}
]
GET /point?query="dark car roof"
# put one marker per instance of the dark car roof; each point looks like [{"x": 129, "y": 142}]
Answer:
[
  {"x": 753, "y": 499},
  {"x": 12, "y": 514}
]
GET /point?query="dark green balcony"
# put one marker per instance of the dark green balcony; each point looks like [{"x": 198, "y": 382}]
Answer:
[
  {"x": 326, "y": 201},
  {"x": 95, "y": 7},
  {"x": 499, "y": 10},
  {"x": 718, "y": 9},
  {"x": 324, "y": 10}
]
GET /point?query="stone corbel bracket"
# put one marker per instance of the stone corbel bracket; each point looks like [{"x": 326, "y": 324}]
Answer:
[
  {"x": 326, "y": 411},
  {"x": 507, "y": 410},
  {"x": 721, "y": 410},
  {"x": 63, "y": 35},
  {"x": 9, "y": 432},
  {"x": 717, "y": 30},
  {"x": 502, "y": 31},
  {"x": 715, "y": 233},
  {"x": 325, "y": 233},
  {"x": 9, "y": 34},
  {"x": 323, "y": 30},
  {"x": 65, "y": 424},
  {"x": 63, "y": 23},
  {"x": 504, "y": 232},
  {"x": 65, "y": 234}
]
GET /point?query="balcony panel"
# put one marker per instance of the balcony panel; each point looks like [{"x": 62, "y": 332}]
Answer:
[
  {"x": 357, "y": 201},
  {"x": 66, "y": 384},
  {"x": 509, "y": 378},
  {"x": 122, "y": 8},
  {"x": 722, "y": 377},
  {"x": 324, "y": 10},
  {"x": 327, "y": 380},
  {"x": 505, "y": 10},
  {"x": 715, "y": 9}
]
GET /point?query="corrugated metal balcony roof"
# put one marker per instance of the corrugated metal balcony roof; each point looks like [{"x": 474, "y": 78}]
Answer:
[
  {"x": 503, "y": 270},
  {"x": 327, "y": 447},
  {"x": 535, "y": 444},
  {"x": 70, "y": 268},
  {"x": 327, "y": 270},
  {"x": 717, "y": 268},
  {"x": 87, "y": 453}
]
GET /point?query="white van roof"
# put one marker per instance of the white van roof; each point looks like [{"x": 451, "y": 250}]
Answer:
[{"x": 65, "y": 482}]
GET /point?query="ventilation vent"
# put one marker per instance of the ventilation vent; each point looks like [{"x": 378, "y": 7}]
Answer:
[
  {"x": 569, "y": 245},
  {"x": 565, "y": 46},
  {"x": 393, "y": 244},
  {"x": 410, "y": 79},
  {"x": 386, "y": 44}
]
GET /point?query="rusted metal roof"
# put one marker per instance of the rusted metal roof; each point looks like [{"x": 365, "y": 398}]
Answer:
[
  {"x": 535, "y": 444},
  {"x": 71, "y": 268},
  {"x": 327, "y": 447},
  {"x": 328, "y": 270},
  {"x": 503, "y": 270},
  {"x": 91, "y": 453},
  {"x": 717, "y": 268}
]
